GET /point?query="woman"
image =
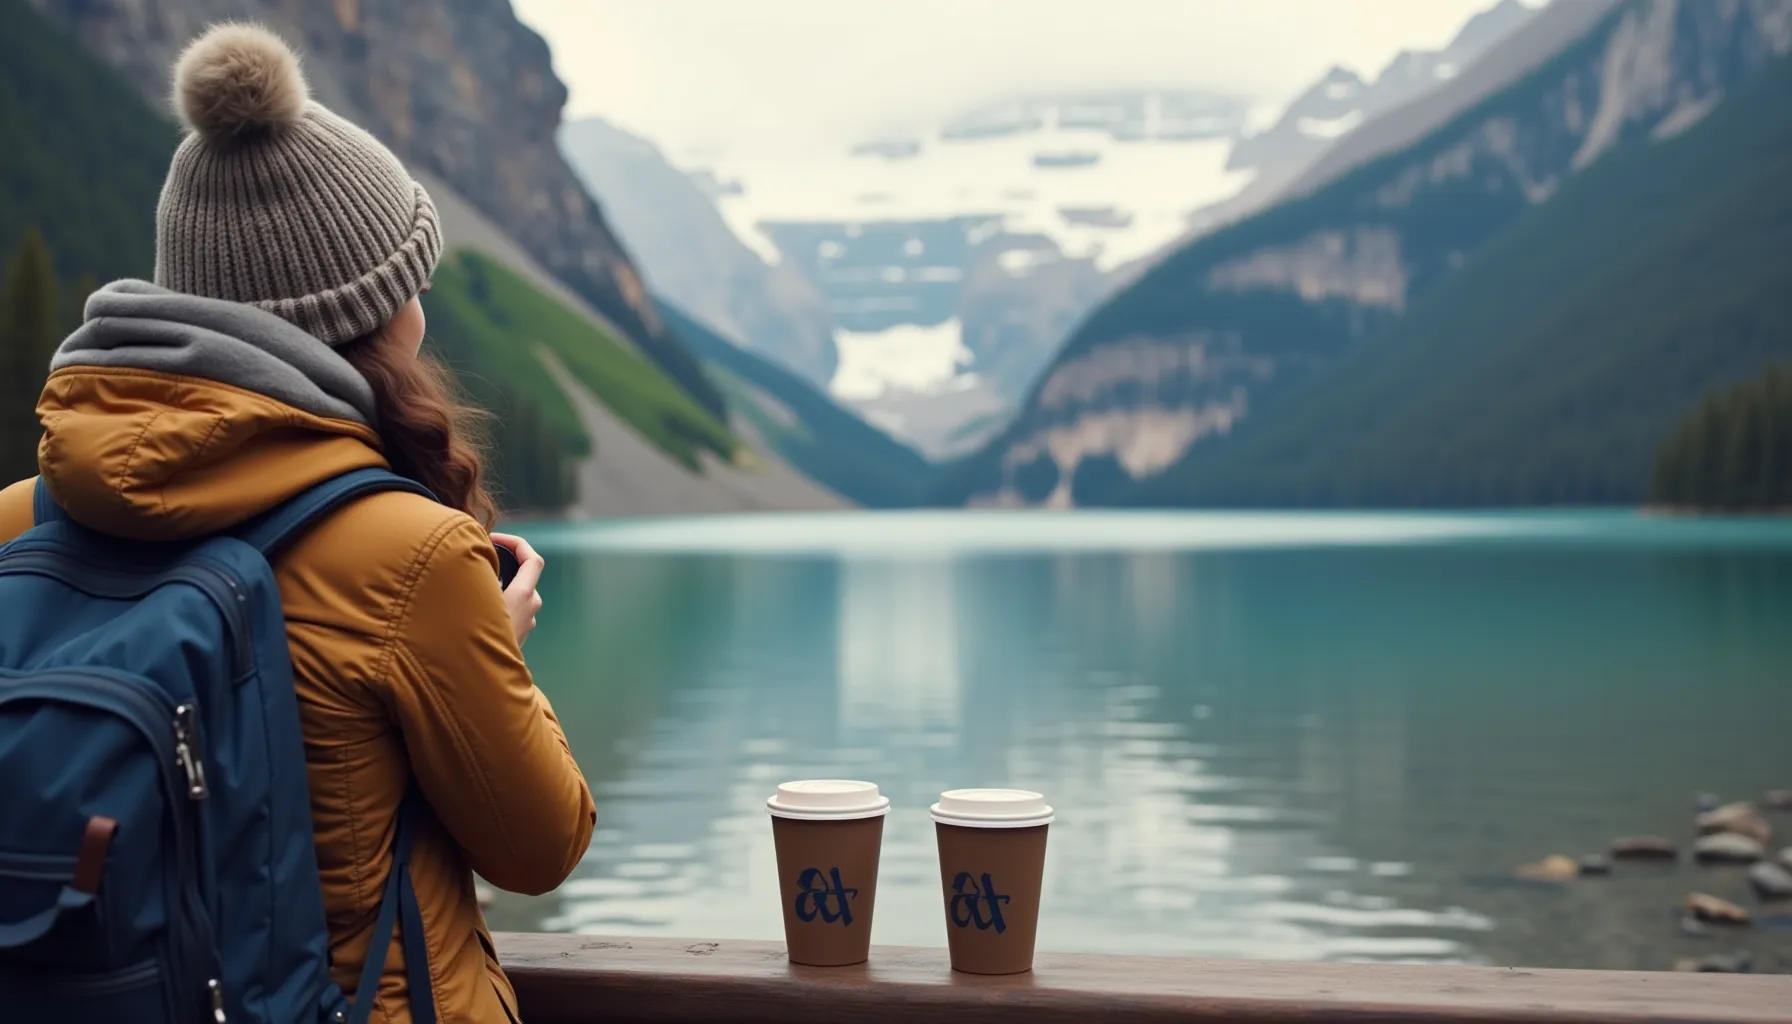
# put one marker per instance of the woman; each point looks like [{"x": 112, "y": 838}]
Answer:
[{"x": 278, "y": 347}]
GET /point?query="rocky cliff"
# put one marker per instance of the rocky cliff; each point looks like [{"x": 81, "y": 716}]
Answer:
[
  {"x": 458, "y": 88},
  {"x": 1498, "y": 66},
  {"x": 1494, "y": 50},
  {"x": 1555, "y": 363},
  {"x": 1213, "y": 333}
]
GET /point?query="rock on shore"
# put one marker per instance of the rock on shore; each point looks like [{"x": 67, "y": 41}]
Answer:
[
  {"x": 1770, "y": 881},
  {"x": 1739, "y": 818},
  {"x": 1553, "y": 868},
  {"x": 1644, "y": 848},
  {"x": 1739, "y": 962},
  {"x": 1715, "y": 911},
  {"x": 1727, "y": 848}
]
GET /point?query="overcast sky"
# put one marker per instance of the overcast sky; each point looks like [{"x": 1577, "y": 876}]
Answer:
[{"x": 690, "y": 72}]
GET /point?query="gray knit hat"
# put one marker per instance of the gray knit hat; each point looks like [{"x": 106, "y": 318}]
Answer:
[{"x": 274, "y": 201}]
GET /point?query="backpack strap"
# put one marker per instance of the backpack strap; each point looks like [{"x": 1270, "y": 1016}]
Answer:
[
  {"x": 43, "y": 507},
  {"x": 416, "y": 951},
  {"x": 398, "y": 906},
  {"x": 271, "y": 531}
]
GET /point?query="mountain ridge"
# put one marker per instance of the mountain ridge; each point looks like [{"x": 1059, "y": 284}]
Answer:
[
  {"x": 1219, "y": 327},
  {"x": 1519, "y": 54},
  {"x": 1509, "y": 58},
  {"x": 459, "y": 88},
  {"x": 1654, "y": 278},
  {"x": 73, "y": 107},
  {"x": 1342, "y": 99}
]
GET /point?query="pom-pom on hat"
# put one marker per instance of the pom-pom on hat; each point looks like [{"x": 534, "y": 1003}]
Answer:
[{"x": 274, "y": 201}]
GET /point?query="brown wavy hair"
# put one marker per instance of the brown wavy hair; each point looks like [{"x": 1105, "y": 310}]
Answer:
[{"x": 427, "y": 431}]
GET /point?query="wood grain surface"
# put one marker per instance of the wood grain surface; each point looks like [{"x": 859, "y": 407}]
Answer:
[{"x": 574, "y": 979}]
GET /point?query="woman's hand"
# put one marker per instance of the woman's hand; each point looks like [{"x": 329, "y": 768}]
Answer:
[{"x": 521, "y": 597}]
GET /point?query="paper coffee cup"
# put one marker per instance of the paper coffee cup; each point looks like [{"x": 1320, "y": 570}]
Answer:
[
  {"x": 828, "y": 833},
  {"x": 992, "y": 860}
]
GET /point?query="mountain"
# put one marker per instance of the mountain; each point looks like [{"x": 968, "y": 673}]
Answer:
[
  {"x": 584, "y": 423},
  {"x": 632, "y": 442},
  {"x": 1552, "y": 366},
  {"x": 1502, "y": 62},
  {"x": 690, "y": 256},
  {"x": 1214, "y": 332},
  {"x": 826, "y": 443},
  {"x": 1020, "y": 289},
  {"x": 958, "y": 257},
  {"x": 1327, "y": 109},
  {"x": 458, "y": 88},
  {"x": 955, "y": 255},
  {"x": 1506, "y": 51},
  {"x": 1341, "y": 100}
]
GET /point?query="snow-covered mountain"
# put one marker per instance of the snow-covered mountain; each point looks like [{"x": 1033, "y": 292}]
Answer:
[
  {"x": 955, "y": 258},
  {"x": 1434, "y": 214},
  {"x": 1104, "y": 176}
]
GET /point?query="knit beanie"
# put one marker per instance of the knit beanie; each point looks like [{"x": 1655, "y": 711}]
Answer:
[{"x": 274, "y": 201}]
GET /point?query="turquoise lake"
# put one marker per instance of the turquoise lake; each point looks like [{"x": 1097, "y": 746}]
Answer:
[{"x": 1320, "y": 736}]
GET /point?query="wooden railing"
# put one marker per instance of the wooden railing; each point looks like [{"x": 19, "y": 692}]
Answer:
[{"x": 572, "y": 979}]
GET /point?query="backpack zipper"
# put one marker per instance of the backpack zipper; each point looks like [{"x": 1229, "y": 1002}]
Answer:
[
  {"x": 154, "y": 717},
  {"x": 218, "y": 584},
  {"x": 231, "y": 601},
  {"x": 147, "y": 709},
  {"x": 188, "y": 751}
]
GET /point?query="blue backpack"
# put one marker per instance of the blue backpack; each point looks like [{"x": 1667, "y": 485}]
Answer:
[{"x": 157, "y": 863}]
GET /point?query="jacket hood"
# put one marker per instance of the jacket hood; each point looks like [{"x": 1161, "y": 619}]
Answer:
[{"x": 169, "y": 416}]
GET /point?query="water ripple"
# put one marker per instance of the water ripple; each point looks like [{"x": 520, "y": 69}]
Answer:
[{"x": 1321, "y": 738}]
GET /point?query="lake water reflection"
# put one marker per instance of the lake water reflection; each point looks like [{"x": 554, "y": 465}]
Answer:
[{"x": 1295, "y": 737}]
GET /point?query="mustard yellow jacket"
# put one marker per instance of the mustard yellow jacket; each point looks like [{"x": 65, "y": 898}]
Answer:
[{"x": 403, "y": 656}]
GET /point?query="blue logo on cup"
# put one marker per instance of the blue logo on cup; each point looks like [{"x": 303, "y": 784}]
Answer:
[
  {"x": 824, "y": 896},
  {"x": 977, "y": 906}
]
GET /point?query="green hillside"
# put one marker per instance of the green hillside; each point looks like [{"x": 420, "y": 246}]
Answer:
[
  {"x": 34, "y": 314},
  {"x": 1734, "y": 452},
  {"x": 831, "y": 446},
  {"x": 489, "y": 311},
  {"x": 1552, "y": 365},
  {"x": 535, "y": 434},
  {"x": 82, "y": 156},
  {"x": 81, "y": 164}
]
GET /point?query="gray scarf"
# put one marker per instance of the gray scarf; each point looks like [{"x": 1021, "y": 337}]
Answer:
[{"x": 142, "y": 326}]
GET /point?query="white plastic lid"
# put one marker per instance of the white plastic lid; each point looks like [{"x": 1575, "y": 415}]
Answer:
[
  {"x": 828, "y": 800},
  {"x": 992, "y": 808}
]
